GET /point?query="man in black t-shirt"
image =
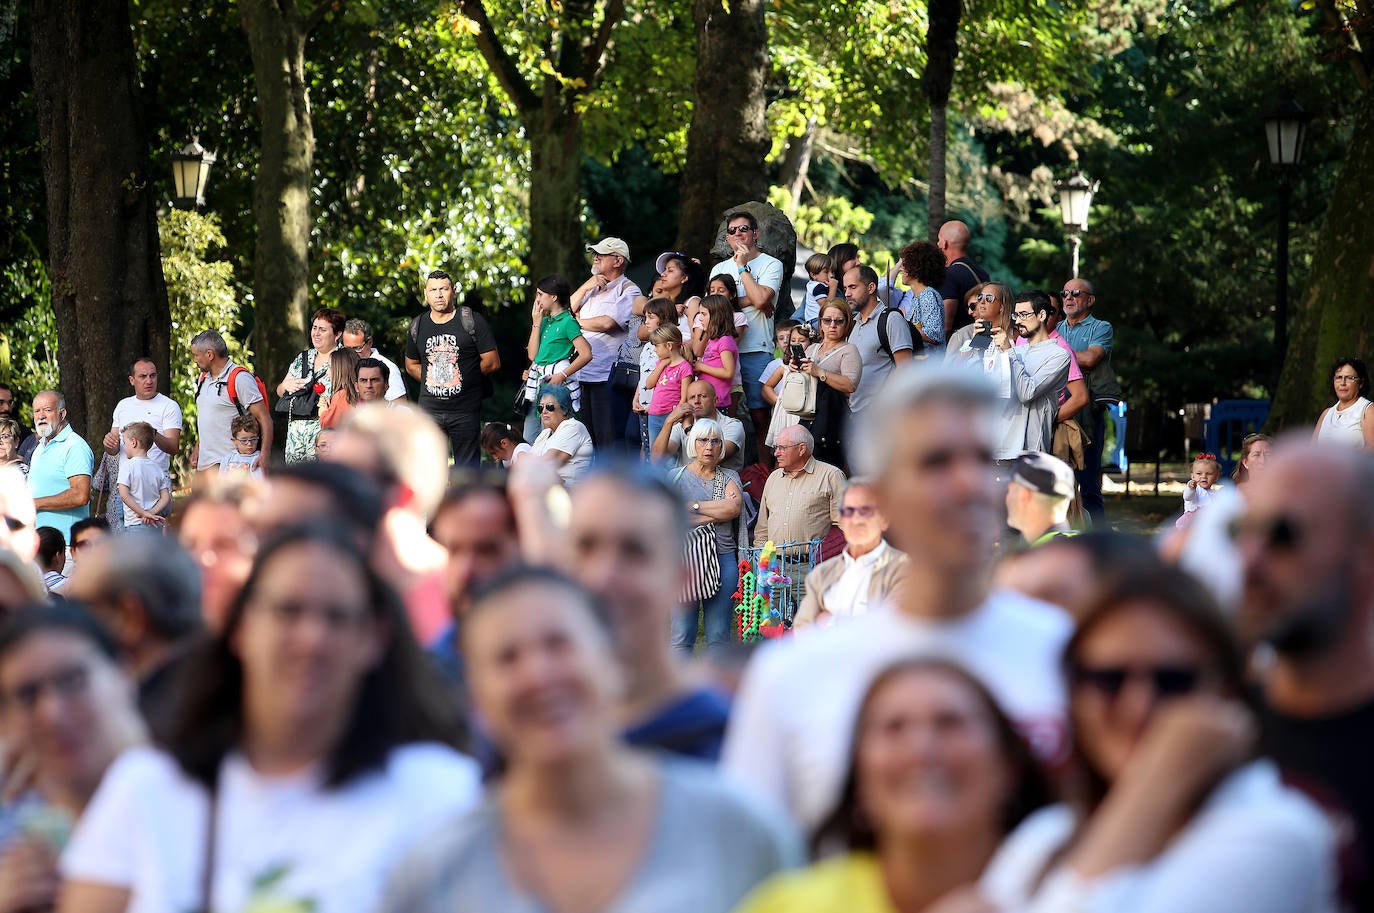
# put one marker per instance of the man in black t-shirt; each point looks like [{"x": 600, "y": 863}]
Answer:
[
  {"x": 961, "y": 274},
  {"x": 1306, "y": 542},
  {"x": 448, "y": 350}
]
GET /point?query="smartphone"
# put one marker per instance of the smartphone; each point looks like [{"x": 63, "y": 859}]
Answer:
[
  {"x": 982, "y": 335},
  {"x": 798, "y": 352}
]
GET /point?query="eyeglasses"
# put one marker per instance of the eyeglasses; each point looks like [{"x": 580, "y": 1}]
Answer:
[
  {"x": 1339, "y": 378},
  {"x": 246, "y": 440},
  {"x": 1019, "y": 316},
  {"x": 79, "y": 544},
  {"x": 360, "y": 349},
  {"x": 65, "y": 683},
  {"x": 777, "y": 447},
  {"x": 9, "y": 437},
  {"x": 335, "y": 618},
  {"x": 738, "y": 230},
  {"x": 1278, "y": 533},
  {"x": 1165, "y": 680},
  {"x": 548, "y": 407},
  {"x": 833, "y": 321},
  {"x": 710, "y": 441},
  {"x": 1073, "y": 293},
  {"x": 866, "y": 511}
]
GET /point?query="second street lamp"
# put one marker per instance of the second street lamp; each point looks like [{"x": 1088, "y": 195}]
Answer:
[
  {"x": 1285, "y": 128},
  {"x": 1075, "y": 199},
  {"x": 190, "y": 173}
]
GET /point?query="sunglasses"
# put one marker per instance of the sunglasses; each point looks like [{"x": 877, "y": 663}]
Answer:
[
  {"x": 738, "y": 230},
  {"x": 985, "y": 296},
  {"x": 1072, "y": 292},
  {"x": 1164, "y": 680},
  {"x": 548, "y": 407},
  {"x": 1278, "y": 533},
  {"x": 866, "y": 511},
  {"x": 833, "y": 321}
]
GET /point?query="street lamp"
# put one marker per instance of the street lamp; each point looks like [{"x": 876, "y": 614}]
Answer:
[
  {"x": 1285, "y": 128},
  {"x": 1075, "y": 199},
  {"x": 190, "y": 172}
]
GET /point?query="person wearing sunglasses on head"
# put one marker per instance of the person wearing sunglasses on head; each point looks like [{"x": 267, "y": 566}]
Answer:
[
  {"x": 1169, "y": 808},
  {"x": 1306, "y": 547},
  {"x": 865, "y": 574}
]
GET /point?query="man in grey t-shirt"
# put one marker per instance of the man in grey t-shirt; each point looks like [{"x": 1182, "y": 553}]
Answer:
[
  {"x": 880, "y": 355},
  {"x": 1038, "y": 370}
]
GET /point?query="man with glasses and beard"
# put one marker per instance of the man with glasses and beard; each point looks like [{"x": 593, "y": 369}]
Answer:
[
  {"x": 1039, "y": 370},
  {"x": 1306, "y": 542}
]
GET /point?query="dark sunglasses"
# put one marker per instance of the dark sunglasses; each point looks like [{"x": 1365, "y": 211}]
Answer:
[
  {"x": 833, "y": 321},
  {"x": 1166, "y": 681},
  {"x": 547, "y": 407},
  {"x": 738, "y": 230},
  {"x": 1280, "y": 533},
  {"x": 1072, "y": 292},
  {"x": 866, "y": 511}
]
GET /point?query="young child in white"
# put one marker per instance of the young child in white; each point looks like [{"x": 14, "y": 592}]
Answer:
[
  {"x": 658, "y": 312},
  {"x": 246, "y": 434},
  {"x": 821, "y": 286},
  {"x": 144, "y": 487},
  {"x": 1199, "y": 491}
]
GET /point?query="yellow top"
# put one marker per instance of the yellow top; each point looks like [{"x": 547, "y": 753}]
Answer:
[{"x": 852, "y": 883}]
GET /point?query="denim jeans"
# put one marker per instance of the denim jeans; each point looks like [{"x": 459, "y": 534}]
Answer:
[
  {"x": 719, "y": 612},
  {"x": 751, "y": 365},
  {"x": 656, "y": 423}
]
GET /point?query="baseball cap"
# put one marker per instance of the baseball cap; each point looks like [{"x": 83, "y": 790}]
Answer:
[
  {"x": 662, "y": 262},
  {"x": 1043, "y": 474},
  {"x": 611, "y": 246}
]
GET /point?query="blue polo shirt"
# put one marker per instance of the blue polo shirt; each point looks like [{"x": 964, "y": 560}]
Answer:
[
  {"x": 53, "y": 463},
  {"x": 1087, "y": 333}
]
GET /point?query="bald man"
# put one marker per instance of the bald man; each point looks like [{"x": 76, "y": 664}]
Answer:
[{"x": 961, "y": 274}]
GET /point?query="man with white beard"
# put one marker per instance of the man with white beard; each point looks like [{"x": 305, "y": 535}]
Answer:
[{"x": 60, "y": 472}]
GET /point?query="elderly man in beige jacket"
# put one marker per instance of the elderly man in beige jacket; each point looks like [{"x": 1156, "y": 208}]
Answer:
[{"x": 863, "y": 576}]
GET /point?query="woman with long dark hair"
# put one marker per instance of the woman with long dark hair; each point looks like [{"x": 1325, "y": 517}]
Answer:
[
  {"x": 938, "y": 776},
  {"x": 310, "y": 749},
  {"x": 1170, "y": 811},
  {"x": 557, "y": 349}
]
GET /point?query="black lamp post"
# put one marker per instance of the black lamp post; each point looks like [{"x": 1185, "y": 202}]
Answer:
[
  {"x": 1285, "y": 127},
  {"x": 1075, "y": 199},
  {"x": 190, "y": 172}
]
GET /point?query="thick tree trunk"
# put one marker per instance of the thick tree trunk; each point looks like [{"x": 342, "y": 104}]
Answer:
[
  {"x": 942, "y": 47},
  {"x": 1335, "y": 317},
  {"x": 281, "y": 190},
  {"x": 555, "y": 136},
  {"x": 728, "y": 140},
  {"x": 109, "y": 295}
]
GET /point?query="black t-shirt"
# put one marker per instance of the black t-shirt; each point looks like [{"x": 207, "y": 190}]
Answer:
[
  {"x": 960, "y": 276},
  {"x": 450, "y": 361},
  {"x": 1331, "y": 759}
]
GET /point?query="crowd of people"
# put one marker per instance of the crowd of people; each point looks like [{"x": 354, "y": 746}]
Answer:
[{"x": 372, "y": 676}]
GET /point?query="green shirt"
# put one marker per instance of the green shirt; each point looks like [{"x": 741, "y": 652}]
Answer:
[
  {"x": 556, "y": 335},
  {"x": 1052, "y": 534}
]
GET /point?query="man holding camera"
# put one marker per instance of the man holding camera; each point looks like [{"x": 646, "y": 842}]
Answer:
[{"x": 1039, "y": 370}]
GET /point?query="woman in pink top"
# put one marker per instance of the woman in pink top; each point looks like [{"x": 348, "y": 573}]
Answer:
[{"x": 721, "y": 353}]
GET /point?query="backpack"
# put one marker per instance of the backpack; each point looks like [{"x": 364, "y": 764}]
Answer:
[
  {"x": 885, "y": 344},
  {"x": 469, "y": 323},
  {"x": 797, "y": 394},
  {"x": 231, "y": 389}
]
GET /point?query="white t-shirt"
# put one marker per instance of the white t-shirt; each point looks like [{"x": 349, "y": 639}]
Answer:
[
  {"x": 395, "y": 384},
  {"x": 768, "y": 372},
  {"x": 241, "y": 462},
  {"x": 146, "y": 829},
  {"x": 146, "y": 480},
  {"x": 767, "y": 271},
  {"x": 1255, "y": 845},
  {"x": 520, "y": 450},
  {"x": 1011, "y": 642},
  {"x": 214, "y": 413},
  {"x": 161, "y": 412},
  {"x": 571, "y": 437}
]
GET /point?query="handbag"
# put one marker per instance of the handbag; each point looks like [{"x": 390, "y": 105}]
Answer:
[
  {"x": 305, "y": 402},
  {"x": 624, "y": 377},
  {"x": 699, "y": 553},
  {"x": 797, "y": 395}
]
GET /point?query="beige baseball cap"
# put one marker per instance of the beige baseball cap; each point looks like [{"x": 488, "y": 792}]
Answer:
[{"x": 611, "y": 246}]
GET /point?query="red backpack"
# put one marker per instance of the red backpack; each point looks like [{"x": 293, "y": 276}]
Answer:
[{"x": 231, "y": 388}]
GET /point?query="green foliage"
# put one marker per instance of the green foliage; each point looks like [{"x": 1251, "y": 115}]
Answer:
[
  {"x": 826, "y": 221},
  {"x": 28, "y": 346},
  {"x": 203, "y": 296}
]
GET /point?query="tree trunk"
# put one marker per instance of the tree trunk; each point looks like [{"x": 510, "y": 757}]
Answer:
[
  {"x": 942, "y": 47},
  {"x": 109, "y": 295},
  {"x": 796, "y": 162},
  {"x": 281, "y": 190},
  {"x": 728, "y": 141},
  {"x": 1334, "y": 318},
  {"x": 555, "y": 136}
]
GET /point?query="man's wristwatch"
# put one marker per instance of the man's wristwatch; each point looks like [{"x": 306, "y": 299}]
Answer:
[{"x": 696, "y": 507}]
